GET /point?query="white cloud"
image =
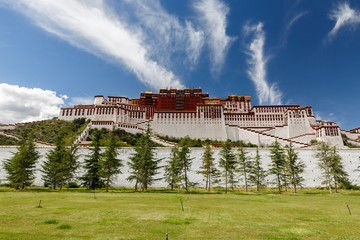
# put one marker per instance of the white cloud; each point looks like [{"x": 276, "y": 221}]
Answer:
[
  {"x": 20, "y": 104},
  {"x": 343, "y": 16},
  {"x": 267, "y": 94},
  {"x": 289, "y": 25},
  {"x": 92, "y": 26},
  {"x": 213, "y": 15},
  {"x": 294, "y": 19},
  {"x": 81, "y": 101},
  {"x": 166, "y": 34}
]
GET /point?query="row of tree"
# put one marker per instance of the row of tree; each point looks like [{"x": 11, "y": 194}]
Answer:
[{"x": 100, "y": 168}]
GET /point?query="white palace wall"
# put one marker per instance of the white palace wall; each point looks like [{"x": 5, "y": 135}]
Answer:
[{"x": 312, "y": 174}]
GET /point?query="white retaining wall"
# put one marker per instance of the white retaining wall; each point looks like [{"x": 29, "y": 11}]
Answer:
[{"x": 312, "y": 172}]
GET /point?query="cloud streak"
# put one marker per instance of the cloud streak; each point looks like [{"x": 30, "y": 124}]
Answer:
[
  {"x": 213, "y": 17},
  {"x": 93, "y": 27},
  {"x": 20, "y": 104},
  {"x": 166, "y": 34},
  {"x": 257, "y": 61},
  {"x": 344, "y": 16}
]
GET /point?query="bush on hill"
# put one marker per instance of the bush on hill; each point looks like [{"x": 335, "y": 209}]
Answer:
[
  {"x": 8, "y": 141},
  {"x": 124, "y": 138},
  {"x": 201, "y": 143},
  {"x": 48, "y": 130}
]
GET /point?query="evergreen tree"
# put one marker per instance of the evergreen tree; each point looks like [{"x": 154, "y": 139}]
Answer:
[
  {"x": 208, "y": 167},
  {"x": 110, "y": 164},
  {"x": 173, "y": 169},
  {"x": 295, "y": 167},
  {"x": 52, "y": 168},
  {"x": 325, "y": 163},
  {"x": 245, "y": 165},
  {"x": 70, "y": 164},
  {"x": 185, "y": 161},
  {"x": 143, "y": 165},
  {"x": 92, "y": 177},
  {"x": 257, "y": 174},
  {"x": 135, "y": 161},
  {"x": 339, "y": 176},
  {"x": 21, "y": 167},
  {"x": 277, "y": 166},
  {"x": 227, "y": 162}
]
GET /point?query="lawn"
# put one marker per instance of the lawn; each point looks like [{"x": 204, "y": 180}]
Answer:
[{"x": 123, "y": 214}]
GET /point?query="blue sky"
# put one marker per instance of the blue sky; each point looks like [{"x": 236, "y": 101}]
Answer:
[{"x": 59, "y": 53}]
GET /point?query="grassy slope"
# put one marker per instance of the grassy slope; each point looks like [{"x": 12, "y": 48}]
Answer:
[
  {"x": 124, "y": 138},
  {"x": 127, "y": 215},
  {"x": 48, "y": 130},
  {"x": 8, "y": 141},
  {"x": 200, "y": 143}
]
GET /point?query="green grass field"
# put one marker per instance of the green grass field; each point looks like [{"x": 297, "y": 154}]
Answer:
[{"x": 123, "y": 214}]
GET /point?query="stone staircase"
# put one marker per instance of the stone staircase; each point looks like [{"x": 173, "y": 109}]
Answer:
[
  {"x": 162, "y": 142},
  {"x": 285, "y": 140},
  {"x": 84, "y": 134}
]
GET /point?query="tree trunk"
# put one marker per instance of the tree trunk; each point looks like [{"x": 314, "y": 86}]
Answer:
[
  {"x": 107, "y": 184},
  {"x": 336, "y": 186},
  {"x": 68, "y": 184},
  {"x": 226, "y": 181},
  {"x": 186, "y": 180},
  {"x": 328, "y": 178},
  {"x": 258, "y": 182},
  {"x": 209, "y": 183},
  {"x": 279, "y": 185},
  {"x": 246, "y": 186}
]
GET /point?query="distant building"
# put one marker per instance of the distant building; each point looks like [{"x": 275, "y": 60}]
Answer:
[{"x": 191, "y": 112}]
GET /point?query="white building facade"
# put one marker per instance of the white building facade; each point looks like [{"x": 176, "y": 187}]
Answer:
[{"x": 189, "y": 112}]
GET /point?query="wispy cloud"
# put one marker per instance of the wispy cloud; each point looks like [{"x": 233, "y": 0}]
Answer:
[
  {"x": 94, "y": 27},
  {"x": 288, "y": 26},
  {"x": 294, "y": 19},
  {"x": 267, "y": 94},
  {"x": 344, "y": 16},
  {"x": 20, "y": 104},
  {"x": 166, "y": 34},
  {"x": 213, "y": 17}
]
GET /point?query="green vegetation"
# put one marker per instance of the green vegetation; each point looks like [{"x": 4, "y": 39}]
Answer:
[
  {"x": 208, "y": 168},
  {"x": 60, "y": 165},
  {"x": 124, "y": 214},
  {"x": 110, "y": 164},
  {"x": 278, "y": 162},
  {"x": 8, "y": 141},
  {"x": 92, "y": 167},
  {"x": 347, "y": 143},
  {"x": 227, "y": 164},
  {"x": 202, "y": 143},
  {"x": 124, "y": 138},
  {"x": 49, "y": 130},
  {"x": 143, "y": 164},
  {"x": 20, "y": 167},
  {"x": 294, "y": 167}
]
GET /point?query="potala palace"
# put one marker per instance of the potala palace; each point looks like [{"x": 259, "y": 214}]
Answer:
[{"x": 191, "y": 112}]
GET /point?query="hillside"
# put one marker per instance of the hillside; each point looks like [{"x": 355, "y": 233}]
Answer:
[
  {"x": 125, "y": 139},
  {"x": 48, "y": 130},
  {"x": 8, "y": 141}
]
